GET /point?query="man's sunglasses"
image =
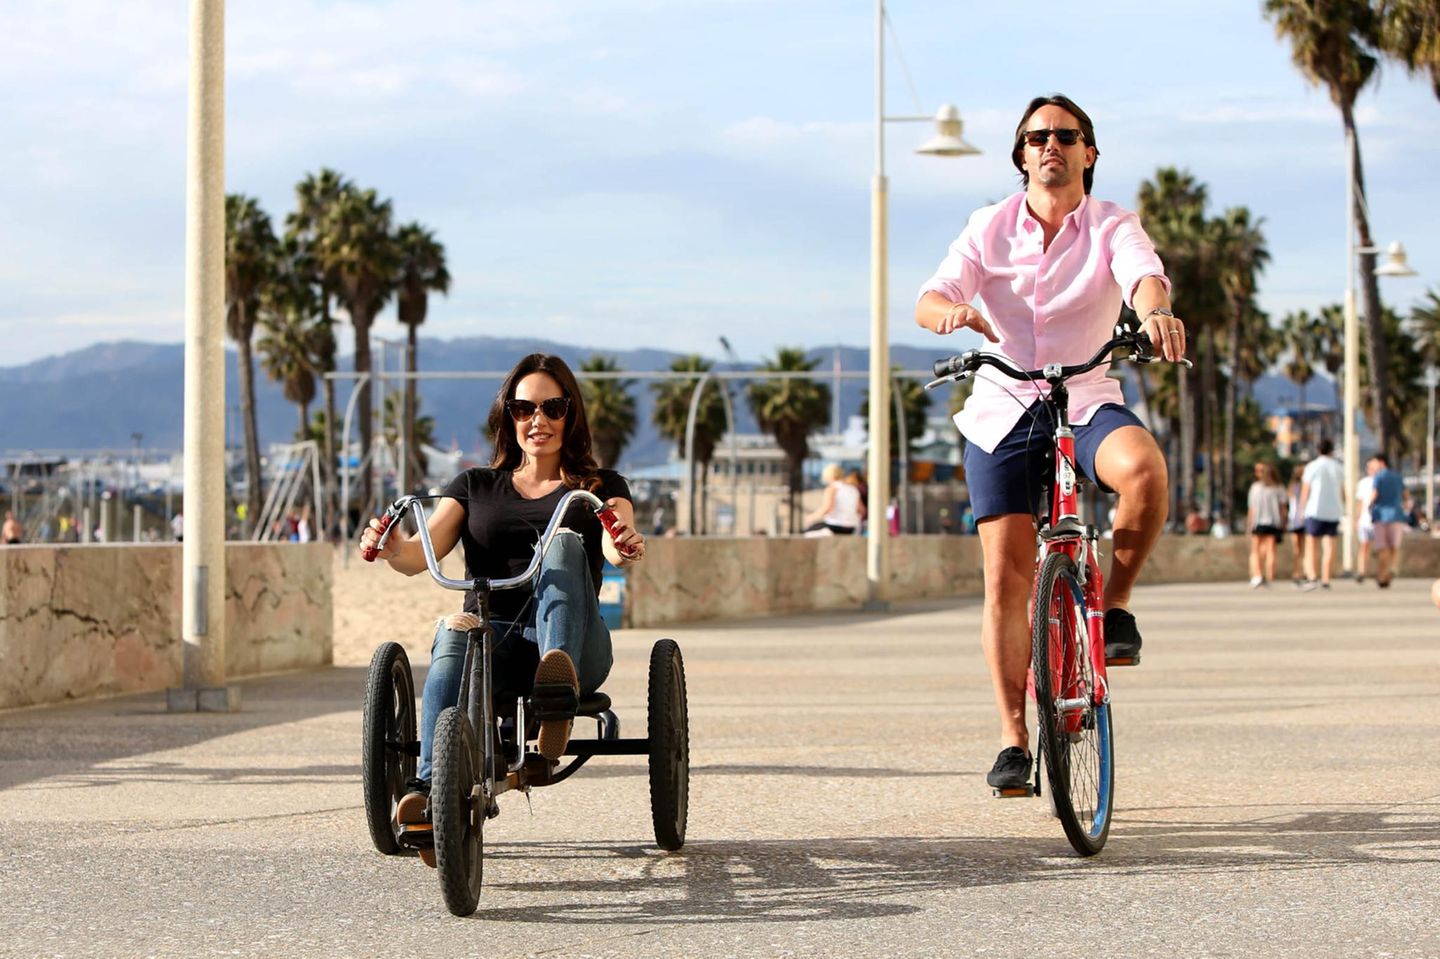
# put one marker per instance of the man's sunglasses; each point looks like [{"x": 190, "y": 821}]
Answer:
[
  {"x": 1067, "y": 138},
  {"x": 554, "y": 408}
]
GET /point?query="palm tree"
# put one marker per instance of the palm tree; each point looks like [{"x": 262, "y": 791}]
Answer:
[
  {"x": 610, "y": 409},
  {"x": 1172, "y": 207},
  {"x": 422, "y": 269},
  {"x": 356, "y": 247},
  {"x": 1299, "y": 332},
  {"x": 295, "y": 339},
  {"x": 1241, "y": 256},
  {"x": 250, "y": 248},
  {"x": 314, "y": 198},
  {"x": 790, "y": 409},
  {"x": 1334, "y": 44},
  {"x": 671, "y": 415},
  {"x": 1410, "y": 33}
]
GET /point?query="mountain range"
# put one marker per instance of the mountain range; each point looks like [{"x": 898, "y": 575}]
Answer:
[{"x": 102, "y": 396}]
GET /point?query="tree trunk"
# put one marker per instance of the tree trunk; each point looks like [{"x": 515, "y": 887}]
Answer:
[
  {"x": 415, "y": 462},
  {"x": 365, "y": 409},
  {"x": 1208, "y": 392},
  {"x": 1373, "y": 331},
  {"x": 796, "y": 481},
  {"x": 1230, "y": 401},
  {"x": 1187, "y": 439},
  {"x": 252, "y": 438},
  {"x": 328, "y": 470}
]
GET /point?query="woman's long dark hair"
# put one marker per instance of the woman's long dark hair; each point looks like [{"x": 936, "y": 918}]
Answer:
[{"x": 578, "y": 469}]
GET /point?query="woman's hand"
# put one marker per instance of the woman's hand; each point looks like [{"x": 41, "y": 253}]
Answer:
[
  {"x": 370, "y": 539},
  {"x": 627, "y": 538}
]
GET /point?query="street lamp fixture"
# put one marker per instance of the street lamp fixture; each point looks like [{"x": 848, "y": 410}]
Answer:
[
  {"x": 946, "y": 142},
  {"x": 1394, "y": 264}
]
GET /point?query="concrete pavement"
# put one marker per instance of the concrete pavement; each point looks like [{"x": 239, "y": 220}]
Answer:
[{"x": 1278, "y": 792}]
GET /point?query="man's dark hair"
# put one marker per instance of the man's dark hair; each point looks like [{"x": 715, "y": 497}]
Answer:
[
  {"x": 1065, "y": 103},
  {"x": 1327, "y": 446},
  {"x": 1382, "y": 459}
]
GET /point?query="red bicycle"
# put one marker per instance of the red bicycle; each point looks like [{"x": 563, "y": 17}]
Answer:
[{"x": 1067, "y": 616}]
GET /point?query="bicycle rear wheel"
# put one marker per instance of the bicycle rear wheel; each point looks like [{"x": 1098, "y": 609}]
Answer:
[{"x": 1075, "y": 734}]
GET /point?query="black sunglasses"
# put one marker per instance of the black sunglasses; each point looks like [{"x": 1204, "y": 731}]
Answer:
[
  {"x": 1067, "y": 138},
  {"x": 554, "y": 408}
]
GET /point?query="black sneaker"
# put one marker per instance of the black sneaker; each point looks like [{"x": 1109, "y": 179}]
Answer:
[
  {"x": 1122, "y": 638},
  {"x": 1011, "y": 769}
]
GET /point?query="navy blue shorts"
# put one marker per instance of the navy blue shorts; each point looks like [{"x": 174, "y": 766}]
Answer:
[
  {"x": 1320, "y": 528},
  {"x": 1011, "y": 479}
]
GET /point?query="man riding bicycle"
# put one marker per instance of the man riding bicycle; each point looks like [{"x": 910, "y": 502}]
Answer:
[{"x": 1052, "y": 266}]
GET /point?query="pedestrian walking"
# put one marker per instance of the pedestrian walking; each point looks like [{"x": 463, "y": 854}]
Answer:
[
  {"x": 1321, "y": 487},
  {"x": 1387, "y": 515},
  {"x": 1265, "y": 519}
]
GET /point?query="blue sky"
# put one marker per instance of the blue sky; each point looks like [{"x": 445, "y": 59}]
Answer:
[{"x": 657, "y": 172}]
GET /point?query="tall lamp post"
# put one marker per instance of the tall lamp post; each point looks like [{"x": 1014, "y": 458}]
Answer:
[
  {"x": 1395, "y": 265},
  {"x": 1432, "y": 379},
  {"x": 946, "y": 142}
]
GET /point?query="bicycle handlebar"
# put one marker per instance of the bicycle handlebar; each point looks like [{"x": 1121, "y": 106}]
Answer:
[
  {"x": 968, "y": 363},
  {"x": 405, "y": 504}
]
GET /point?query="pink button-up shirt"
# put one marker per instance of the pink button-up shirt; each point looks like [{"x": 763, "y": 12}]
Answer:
[{"x": 1047, "y": 306}]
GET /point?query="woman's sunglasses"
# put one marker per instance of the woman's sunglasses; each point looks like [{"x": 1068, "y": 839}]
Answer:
[
  {"x": 1067, "y": 138},
  {"x": 554, "y": 408}
]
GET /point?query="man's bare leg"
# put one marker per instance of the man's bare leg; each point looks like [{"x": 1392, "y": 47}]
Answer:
[
  {"x": 1129, "y": 461},
  {"x": 1008, "y": 542}
]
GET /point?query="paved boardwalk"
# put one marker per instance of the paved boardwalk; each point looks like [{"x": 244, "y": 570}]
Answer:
[{"x": 1278, "y": 795}]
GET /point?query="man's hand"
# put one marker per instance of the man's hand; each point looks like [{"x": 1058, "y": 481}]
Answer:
[
  {"x": 1167, "y": 333},
  {"x": 963, "y": 316}
]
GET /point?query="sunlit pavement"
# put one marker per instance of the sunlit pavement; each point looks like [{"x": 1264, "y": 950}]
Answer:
[{"x": 1278, "y": 793}]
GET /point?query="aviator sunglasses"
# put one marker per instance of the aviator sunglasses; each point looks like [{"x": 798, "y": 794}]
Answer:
[
  {"x": 554, "y": 408},
  {"x": 1067, "y": 137}
]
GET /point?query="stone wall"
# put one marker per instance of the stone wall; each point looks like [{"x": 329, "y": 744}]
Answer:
[
  {"x": 684, "y": 580},
  {"x": 78, "y": 622}
]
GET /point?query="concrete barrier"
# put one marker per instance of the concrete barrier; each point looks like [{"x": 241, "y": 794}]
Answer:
[
  {"x": 77, "y": 622},
  {"x": 686, "y": 580}
]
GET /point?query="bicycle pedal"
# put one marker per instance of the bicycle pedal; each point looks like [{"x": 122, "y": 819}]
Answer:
[
  {"x": 1014, "y": 792},
  {"x": 1121, "y": 661}
]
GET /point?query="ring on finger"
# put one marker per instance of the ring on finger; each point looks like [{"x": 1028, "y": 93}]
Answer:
[{"x": 1175, "y": 333}]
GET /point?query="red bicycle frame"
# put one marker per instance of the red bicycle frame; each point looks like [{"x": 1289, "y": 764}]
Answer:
[{"x": 1065, "y": 533}]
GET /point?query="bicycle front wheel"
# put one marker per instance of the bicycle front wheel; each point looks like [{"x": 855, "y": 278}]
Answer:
[{"x": 1075, "y": 734}]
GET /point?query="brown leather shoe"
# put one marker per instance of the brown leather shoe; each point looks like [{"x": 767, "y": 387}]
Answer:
[{"x": 555, "y": 668}]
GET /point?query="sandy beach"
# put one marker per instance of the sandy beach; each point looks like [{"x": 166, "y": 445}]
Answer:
[{"x": 373, "y": 603}]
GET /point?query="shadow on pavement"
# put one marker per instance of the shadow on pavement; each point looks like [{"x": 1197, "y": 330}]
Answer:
[{"x": 820, "y": 879}]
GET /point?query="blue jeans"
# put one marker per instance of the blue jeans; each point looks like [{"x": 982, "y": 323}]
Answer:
[{"x": 565, "y": 615}]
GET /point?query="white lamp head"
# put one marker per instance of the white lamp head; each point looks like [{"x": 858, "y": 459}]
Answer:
[
  {"x": 1395, "y": 264},
  {"x": 948, "y": 142}
]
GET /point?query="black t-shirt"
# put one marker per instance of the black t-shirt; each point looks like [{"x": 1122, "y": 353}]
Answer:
[{"x": 502, "y": 527}]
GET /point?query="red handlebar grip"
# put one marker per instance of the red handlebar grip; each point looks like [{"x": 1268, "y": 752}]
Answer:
[
  {"x": 369, "y": 553},
  {"x": 609, "y": 520}
]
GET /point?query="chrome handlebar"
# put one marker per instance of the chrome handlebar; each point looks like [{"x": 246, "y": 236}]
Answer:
[{"x": 405, "y": 504}]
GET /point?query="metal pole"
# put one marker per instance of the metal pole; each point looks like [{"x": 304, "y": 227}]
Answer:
[
  {"x": 904, "y": 454},
  {"x": 876, "y": 546},
  {"x": 360, "y": 382},
  {"x": 689, "y": 477},
  {"x": 1432, "y": 378},
  {"x": 203, "y": 557},
  {"x": 1352, "y": 362}
]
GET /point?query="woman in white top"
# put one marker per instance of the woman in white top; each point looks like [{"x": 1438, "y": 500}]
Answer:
[
  {"x": 1265, "y": 520},
  {"x": 841, "y": 510}
]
